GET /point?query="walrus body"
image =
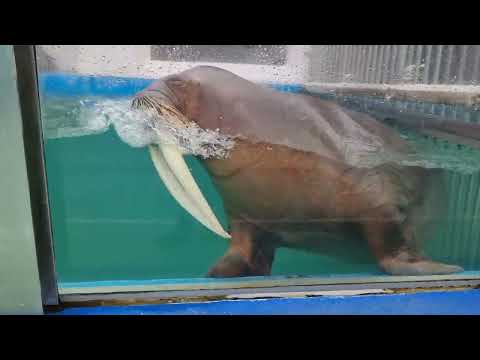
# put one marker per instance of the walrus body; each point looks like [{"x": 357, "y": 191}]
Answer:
[{"x": 302, "y": 167}]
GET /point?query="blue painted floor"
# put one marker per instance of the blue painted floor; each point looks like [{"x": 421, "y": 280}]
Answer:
[{"x": 428, "y": 303}]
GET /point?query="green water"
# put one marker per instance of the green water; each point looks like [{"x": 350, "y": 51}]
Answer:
[{"x": 113, "y": 219}]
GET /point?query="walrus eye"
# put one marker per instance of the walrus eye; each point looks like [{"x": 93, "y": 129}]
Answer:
[{"x": 176, "y": 83}]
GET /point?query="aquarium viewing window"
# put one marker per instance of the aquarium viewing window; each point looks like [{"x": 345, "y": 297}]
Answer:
[
  {"x": 270, "y": 168},
  {"x": 237, "y": 54}
]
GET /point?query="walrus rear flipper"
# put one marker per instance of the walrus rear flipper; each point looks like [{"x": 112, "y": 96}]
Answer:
[
  {"x": 423, "y": 222},
  {"x": 406, "y": 265}
]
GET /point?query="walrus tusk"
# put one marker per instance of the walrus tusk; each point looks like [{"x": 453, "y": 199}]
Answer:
[{"x": 176, "y": 176}]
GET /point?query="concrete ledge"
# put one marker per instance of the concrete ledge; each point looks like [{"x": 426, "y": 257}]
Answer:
[
  {"x": 466, "y": 302},
  {"x": 468, "y": 95}
]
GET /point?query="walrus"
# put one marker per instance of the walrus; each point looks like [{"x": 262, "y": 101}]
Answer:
[{"x": 292, "y": 168}]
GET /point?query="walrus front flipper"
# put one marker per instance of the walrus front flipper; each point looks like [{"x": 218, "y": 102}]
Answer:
[
  {"x": 406, "y": 262},
  {"x": 231, "y": 265},
  {"x": 251, "y": 252}
]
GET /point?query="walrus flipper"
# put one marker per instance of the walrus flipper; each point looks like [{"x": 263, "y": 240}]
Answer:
[
  {"x": 251, "y": 252},
  {"x": 407, "y": 264},
  {"x": 422, "y": 222}
]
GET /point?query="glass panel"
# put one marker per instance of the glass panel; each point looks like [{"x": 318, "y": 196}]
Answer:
[{"x": 309, "y": 160}]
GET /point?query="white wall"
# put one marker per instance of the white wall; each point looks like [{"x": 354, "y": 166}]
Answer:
[{"x": 134, "y": 61}]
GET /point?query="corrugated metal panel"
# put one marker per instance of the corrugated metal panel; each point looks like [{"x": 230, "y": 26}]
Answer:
[
  {"x": 476, "y": 66},
  {"x": 457, "y": 239},
  {"x": 443, "y": 64}
]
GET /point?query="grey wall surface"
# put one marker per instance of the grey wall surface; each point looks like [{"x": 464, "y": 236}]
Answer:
[{"x": 19, "y": 279}]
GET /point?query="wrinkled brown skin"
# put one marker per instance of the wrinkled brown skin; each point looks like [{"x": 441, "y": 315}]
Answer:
[{"x": 288, "y": 177}]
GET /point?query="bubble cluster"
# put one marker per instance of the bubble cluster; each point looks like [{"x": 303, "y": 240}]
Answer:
[{"x": 137, "y": 128}]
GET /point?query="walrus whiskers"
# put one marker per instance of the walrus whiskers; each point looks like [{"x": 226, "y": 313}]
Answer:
[{"x": 166, "y": 111}]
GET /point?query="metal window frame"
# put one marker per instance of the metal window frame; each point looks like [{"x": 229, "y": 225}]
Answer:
[{"x": 30, "y": 107}]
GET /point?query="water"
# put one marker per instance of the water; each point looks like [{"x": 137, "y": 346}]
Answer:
[
  {"x": 73, "y": 117},
  {"x": 113, "y": 219}
]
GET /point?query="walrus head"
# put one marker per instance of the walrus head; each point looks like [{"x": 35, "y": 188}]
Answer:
[
  {"x": 170, "y": 101},
  {"x": 164, "y": 99}
]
